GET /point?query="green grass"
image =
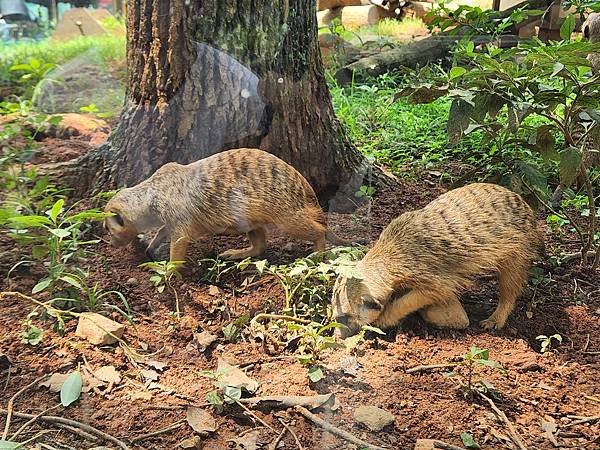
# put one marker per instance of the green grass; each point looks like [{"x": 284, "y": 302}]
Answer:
[
  {"x": 105, "y": 50},
  {"x": 394, "y": 131}
]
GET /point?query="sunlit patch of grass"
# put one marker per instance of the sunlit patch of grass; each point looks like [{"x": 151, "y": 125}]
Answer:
[{"x": 400, "y": 28}]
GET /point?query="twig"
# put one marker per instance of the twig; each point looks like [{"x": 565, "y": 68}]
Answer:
[
  {"x": 71, "y": 423},
  {"x": 333, "y": 429},
  {"x": 31, "y": 422},
  {"x": 582, "y": 421},
  {"x": 289, "y": 401},
  {"x": 10, "y": 406},
  {"x": 429, "y": 367},
  {"x": 446, "y": 446},
  {"x": 262, "y": 316},
  {"x": 511, "y": 430},
  {"x": 171, "y": 427},
  {"x": 289, "y": 429},
  {"x": 251, "y": 414},
  {"x": 273, "y": 445}
]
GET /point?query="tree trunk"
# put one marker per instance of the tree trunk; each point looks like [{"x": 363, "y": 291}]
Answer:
[{"x": 205, "y": 76}]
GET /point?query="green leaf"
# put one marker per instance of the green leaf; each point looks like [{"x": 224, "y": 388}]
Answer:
[
  {"x": 232, "y": 393},
  {"x": 570, "y": 162},
  {"x": 8, "y": 445},
  {"x": 456, "y": 72},
  {"x": 56, "y": 209},
  {"x": 374, "y": 329},
  {"x": 533, "y": 176},
  {"x": 315, "y": 374},
  {"x": 28, "y": 221},
  {"x": 71, "y": 388},
  {"x": 567, "y": 27},
  {"x": 72, "y": 281},
  {"x": 261, "y": 265},
  {"x": 41, "y": 285},
  {"x": 545, "y": 143},
  {"x": 468, "y": 440},
  {"x": 214, "y": 398},
  {"x": 458, "y": 120},
  {"x": 33, "y": 335},
  {"x": 60, "y": 232}
]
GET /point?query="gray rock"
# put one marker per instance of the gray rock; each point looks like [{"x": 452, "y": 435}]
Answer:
[{"x": 374, "y": 418}]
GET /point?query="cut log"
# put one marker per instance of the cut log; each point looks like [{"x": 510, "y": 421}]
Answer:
[
  {"x": 354, "y": 16},
  {"x": 421, "y": 52},
  {"x": 417, "y": 10},
  {"x": 323, "y": 5}
]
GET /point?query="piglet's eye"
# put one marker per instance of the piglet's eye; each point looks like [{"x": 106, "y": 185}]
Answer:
[{"x": 369, "y": 303}]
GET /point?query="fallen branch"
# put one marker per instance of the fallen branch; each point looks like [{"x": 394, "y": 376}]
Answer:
[
  {"x": 71, "y": 423},
  {"x": 10, "y": 406},
  {"x": 511, "y": 430},
  {"x": 171, "y": 427},
  {"x": 446, "y": 446},
  {"x": 430, "y": 367},
  {"x": 290, "y": 401},
  {"x": 251, "y": 414},
  {"x": 334, "y": 430},
  {"x": 31, "y": 422},
  {"x": 582, "y": 421}
]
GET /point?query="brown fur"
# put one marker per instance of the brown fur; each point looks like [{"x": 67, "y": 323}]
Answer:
[
  {"x": 425, "y": 258},
  {"x": 233, "y": 192}
]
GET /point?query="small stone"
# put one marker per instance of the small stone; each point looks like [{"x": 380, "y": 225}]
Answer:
[
  {"x": 98, "y": 330},
  {"x": 132, "y": 281},
  {"x": 374, "y": 418}
]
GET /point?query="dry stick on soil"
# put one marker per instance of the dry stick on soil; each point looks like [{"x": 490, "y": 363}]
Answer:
[
  {"x": 71, "y": 423},
  {"x": 289, "y": 401},
  {"x": 251, "y": 414},
  {"x": 171, "y": 427},
  {"x": 513, "y": 433},
  {"x": 334, "y": 430},
  {"x": 287, "y": 427},
  {"x": 31, "y": 422},
  {"x": 582, "y": 421},
  {"x": 9, "y": 408},
  {"x": 446, "y": 446},
  {"x": 273, "y": 445},
  {"x": 430, "y": 367}
]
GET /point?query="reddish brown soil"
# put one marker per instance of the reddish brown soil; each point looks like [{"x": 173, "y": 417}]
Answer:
[{"x": 555, "y": 385}]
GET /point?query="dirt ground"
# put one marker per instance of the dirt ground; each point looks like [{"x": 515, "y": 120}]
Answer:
[{"x": 544, "y": 396}]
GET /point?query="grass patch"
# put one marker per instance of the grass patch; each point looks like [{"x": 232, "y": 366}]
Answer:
[{"x": 395, "y": 132}]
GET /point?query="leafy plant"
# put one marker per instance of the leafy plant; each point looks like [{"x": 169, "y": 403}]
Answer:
[
  {"x": 57, "y": 238},
  {"x": 314, "y": 338},
  {"x": 31, "y": 334},
  {"x": 546, "y": 341},
  {"x": 469, "y": 441},
  {"x": 365, "y": 192},
  {"x": 535, "y": 104},
  {"x": 232, "y": 331},
  {"x": 473, "y": 358},
  {"x": 165, "y": 274}
]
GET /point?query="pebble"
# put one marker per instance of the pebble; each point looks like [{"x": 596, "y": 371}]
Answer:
[{"x": 374, "y": 418}]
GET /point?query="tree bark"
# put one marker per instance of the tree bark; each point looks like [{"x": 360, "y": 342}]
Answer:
[{"x": 208, "y": 75}]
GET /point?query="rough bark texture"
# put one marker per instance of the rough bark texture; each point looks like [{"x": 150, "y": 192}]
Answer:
[{"x": 205, "y": 76}]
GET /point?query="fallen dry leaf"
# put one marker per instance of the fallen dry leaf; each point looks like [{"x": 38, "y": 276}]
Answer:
[
  {"x": 200, "y": 420},
  {"x": 141, "y": 395},
  {"x": 234, "y": 377},
  {"x": 204, "y": 340},
  {"x": 246, "y": 441},
  {"x": 160, "y": 366},
  {"x": 149, "y": 375},
  {"x": 108, "y": 374},
  {"x": 55, "y": 382},
  {"x": 193, "y": 443},
  {"x": 214, "y": 291}
]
